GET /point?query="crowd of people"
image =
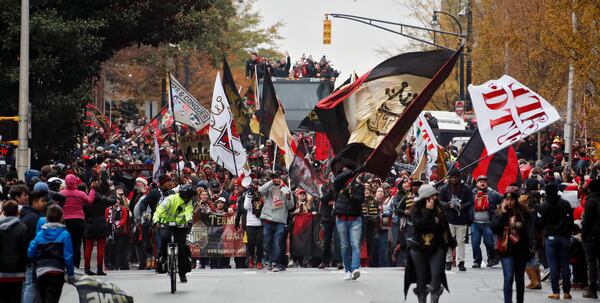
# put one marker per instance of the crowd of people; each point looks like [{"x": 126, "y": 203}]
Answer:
[
  {"x": 306, "y": 67},
  {"x": 65, "y": 209}
]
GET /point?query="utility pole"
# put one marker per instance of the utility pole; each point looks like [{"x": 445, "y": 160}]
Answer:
[
  {"x": 569, "y": 125},
  {"x": 469, "y": 45},
  {"x": 23, "y": 149}
]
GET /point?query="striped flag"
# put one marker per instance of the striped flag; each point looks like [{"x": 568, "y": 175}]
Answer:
[
  {"x": 365, "y": 121},
  {"x": 272, "y": 121},
  {"x": 501, "y": 168},
  {"x": 425, "y": 143}
]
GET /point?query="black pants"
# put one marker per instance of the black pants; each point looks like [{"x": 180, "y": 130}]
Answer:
[
  {"x": 76, "y": 227},
  {"x": 428, "y": 265},
  {"x": 118, "y": 253},
  {"x": 255, "y": 242},
  {"x": 592, "y": 257},
  {"x": 372, "y": 244},
  {"x": 50, "y": 287},
  {"x": 331, "y": 243},
  {"x": 10, "y": 292},
  {"x": 180, "y": 236}
]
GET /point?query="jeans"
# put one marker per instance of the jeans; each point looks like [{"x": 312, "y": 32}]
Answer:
[
  {"x": 383, "y": 259},
  {"x": 29, "y": 287},
  {"x": 478, "y": 231},
  {"x": 272, "y": 240},
  {"x": 557, "y": 252},
  {"x": 513, "y": 269},
  {"x": 459, "y": 232},
  {"x": 428, "y": 265},
  {"x": 592, "y": 258},
  {"x": 350, "y": 232}
]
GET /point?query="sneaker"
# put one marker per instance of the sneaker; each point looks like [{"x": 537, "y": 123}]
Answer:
[
  {"x": 269, "y": 267},
  {"x": 448, "y": 265},
  {"x": 281, "y": 268},
  {"x": 492, "y": 262},
  {"x": 355, "y": 274},
  {"x": 259, "y": 266},
  {"x": 567, "y": 296},
  {"x": 100, "y": 273},
  {"x": 89, "y": 272},
  {"x": 554, "y": 296},
  {"x": 476, "y": 266},
  {"x": 183, "y": 279},
  {"x": 347, "y": 276},
  {"x": 340, "y": 266},
  {"x": 461, "y": 266},
  {"x": 275, "y": 269},
  {"x": 321, "y": 266}
]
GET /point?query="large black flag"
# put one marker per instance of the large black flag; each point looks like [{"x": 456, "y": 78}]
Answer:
[{"x": 366, "y": 120}]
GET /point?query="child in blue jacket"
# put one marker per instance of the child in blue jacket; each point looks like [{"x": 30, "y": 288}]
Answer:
[{"x": 52, "y": 252}]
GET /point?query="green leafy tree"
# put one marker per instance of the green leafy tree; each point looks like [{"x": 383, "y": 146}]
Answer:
[{"x": 69, "y": 40}]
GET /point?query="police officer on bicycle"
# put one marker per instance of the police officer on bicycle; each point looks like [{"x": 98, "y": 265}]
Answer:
[{"x": 178, "y": 209}]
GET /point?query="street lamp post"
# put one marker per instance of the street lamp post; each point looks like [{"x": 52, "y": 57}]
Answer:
[{"x": 461, "y": 62}]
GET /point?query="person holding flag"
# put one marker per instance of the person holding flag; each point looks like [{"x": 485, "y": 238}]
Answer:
[{"x": 485, "y": 201}]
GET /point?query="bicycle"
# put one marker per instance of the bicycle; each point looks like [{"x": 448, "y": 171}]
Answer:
[{"x": 173, "y": 255}]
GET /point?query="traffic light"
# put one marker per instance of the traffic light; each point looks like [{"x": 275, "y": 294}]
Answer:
[
  {"x": 326, "y": 30},
  {"x": 9, "y": 129}
]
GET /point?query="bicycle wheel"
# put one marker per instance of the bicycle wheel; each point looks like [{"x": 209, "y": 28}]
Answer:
[{"x": 172, "y": 273}]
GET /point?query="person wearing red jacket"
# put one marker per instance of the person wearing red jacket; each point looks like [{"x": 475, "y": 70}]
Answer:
[{"x": 73, "y": 212}]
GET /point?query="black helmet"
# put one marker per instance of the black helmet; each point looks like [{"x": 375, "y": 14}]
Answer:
[{"x": 186, "y": 192}]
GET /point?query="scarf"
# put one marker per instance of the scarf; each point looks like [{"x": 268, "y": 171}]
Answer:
[{"x": 481, "y": 201}]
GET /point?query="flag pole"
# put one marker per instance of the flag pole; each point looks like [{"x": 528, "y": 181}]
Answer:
[
  {"x": 232, "y": 149},
  {"x": 257, "y": 104},
  {"x": 170, "y": 91},
  {"x": 274, "y": 154}
]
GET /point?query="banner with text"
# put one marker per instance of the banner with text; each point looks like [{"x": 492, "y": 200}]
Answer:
[
  {"x": 508, "y": 111},
  {"x": 214, "y": 235}
]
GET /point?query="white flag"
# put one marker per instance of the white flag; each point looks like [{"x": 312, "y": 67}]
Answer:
[
  {"x": 186, "y": 108},
  {"x": 225, "y": 146},
  {"x": 508, "y": 111},
  {"x": 425, "y": 144},
  {"x": 156, "y": 167}
]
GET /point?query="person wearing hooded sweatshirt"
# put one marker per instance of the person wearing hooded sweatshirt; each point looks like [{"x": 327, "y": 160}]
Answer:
[
  {"x": 73, "y": 213},
  {"x": 13, "y": 248},
  {"x": 30, "y": 215},
  {"x": 556, "y": 217},
  {"x": 52, "y": 253}
]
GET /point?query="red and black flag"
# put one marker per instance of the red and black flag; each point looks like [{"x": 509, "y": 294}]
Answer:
[
  {"x": 161, "y": 125},
  {"x": 501, "y": 168},
  {"x": 236, "y": 103},
  {"x": 272, "y": 121},
  {"x": 366, "y": 120},
  {"x": 302, "y": 173}
]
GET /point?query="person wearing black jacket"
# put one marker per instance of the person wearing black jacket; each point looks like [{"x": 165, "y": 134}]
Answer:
[
  {"x": 513, "y": 224},
  {"x": 556, "y": 217},
  {"x": 96, "y": 229},
  {"x": 329, "y": 230},
  {"x": 29, "y": 215},
  {"x": 283, "y": 68},
  {"x": 427, "y": 246},
  {"x": 13, "y": 253},
  {"x": 457, "y": 199},
  {"x": 348, "y": 210},
  {"x": 590, "y": 235}
]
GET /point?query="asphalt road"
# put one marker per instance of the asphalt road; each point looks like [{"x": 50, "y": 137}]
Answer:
[{"x": 376, "y": 285}]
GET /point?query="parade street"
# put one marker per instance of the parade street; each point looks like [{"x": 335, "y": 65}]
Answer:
[{"x": 376, "y": 285}]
